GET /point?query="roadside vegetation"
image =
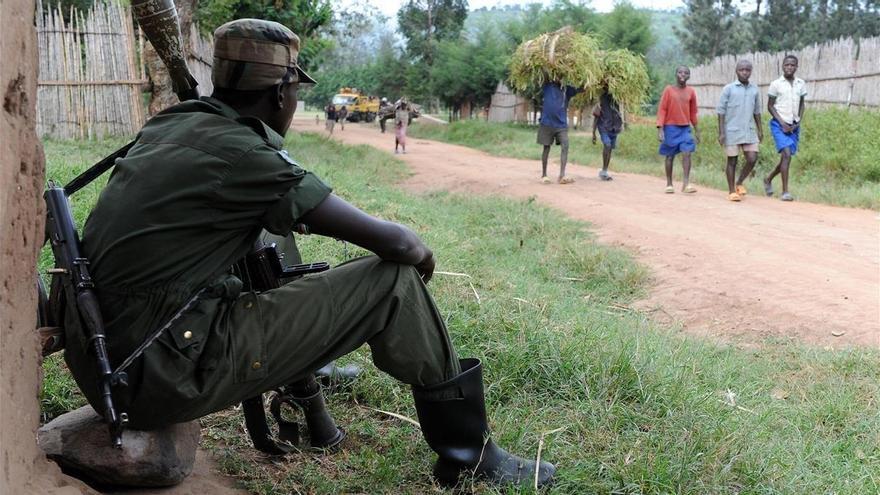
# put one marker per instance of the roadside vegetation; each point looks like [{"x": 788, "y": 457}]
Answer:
[
  {"x": 837, "y": 163},
  {"x": 620, "y": 404}
]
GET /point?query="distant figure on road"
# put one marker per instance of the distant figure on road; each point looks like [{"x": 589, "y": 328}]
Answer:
[
  {"x": 341, "y": 115},
  {"x": 785, "y": 102},
  {"x": 383, "y": 104},
  {"x": 675, "y": 116},
  {"x": 331, "y": 117},
  {"x": 554, "y": 127},
  {"x": 739, "y": 127},
  {"x": 401, "y": 121},
  {"x": 609, "y": 122}
]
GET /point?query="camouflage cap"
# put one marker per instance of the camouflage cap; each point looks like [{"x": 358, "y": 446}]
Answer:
[{"x": 252, "y": 54}]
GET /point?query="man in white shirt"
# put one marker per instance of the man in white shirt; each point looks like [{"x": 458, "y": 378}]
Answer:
[{"x": 785, "y": 102}]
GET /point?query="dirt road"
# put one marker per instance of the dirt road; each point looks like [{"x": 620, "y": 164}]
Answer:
[{"x": 742, "y": 272}]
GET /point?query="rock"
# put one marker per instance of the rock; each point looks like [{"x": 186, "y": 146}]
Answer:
[{"x": 79, "y": 442}]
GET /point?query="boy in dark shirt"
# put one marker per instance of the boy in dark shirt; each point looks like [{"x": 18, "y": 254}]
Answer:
[
  {"x": 607, "y": 119},
  {"x": 554, "y": 127}
]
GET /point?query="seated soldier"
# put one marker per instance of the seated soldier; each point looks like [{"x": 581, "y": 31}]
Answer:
[{"x": 204, "y": 178}]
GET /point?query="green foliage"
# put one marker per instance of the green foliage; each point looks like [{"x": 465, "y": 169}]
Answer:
[
  {"x": 718, "y": 27},
  {"x": 628, "y": 28},
  {"x": 830, "y": 167},
  {"x": 307, "y": 18},
  {"x": 425, "y": 23},
  {"x": 468, "y": 70}
]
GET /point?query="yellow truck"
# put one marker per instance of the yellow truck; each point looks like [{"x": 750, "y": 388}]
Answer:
[{"x": 360, "y": 107}]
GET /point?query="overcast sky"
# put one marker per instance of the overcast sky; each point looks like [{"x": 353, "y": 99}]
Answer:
[{"x": 390, "y": 7}]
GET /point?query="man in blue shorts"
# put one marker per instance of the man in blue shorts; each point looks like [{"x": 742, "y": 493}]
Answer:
[
  {"x": 554, "y": 126},
  {"x": 785, "y": 102},
  {"x": 675, "y": 116},
  {"x": 609, "y": 122}
]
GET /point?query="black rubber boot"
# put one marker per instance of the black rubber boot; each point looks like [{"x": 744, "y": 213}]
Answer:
[
  {"x": 453, "y": 419},
  {"x": 323, "y": 432}
]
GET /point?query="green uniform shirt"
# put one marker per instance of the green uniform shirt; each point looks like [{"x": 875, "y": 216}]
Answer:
[{"x": 187, "y": 201}]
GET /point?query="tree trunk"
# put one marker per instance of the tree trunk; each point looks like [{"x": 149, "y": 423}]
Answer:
[
  {"x": 25, "y": 468},
  {"x": 161, "y": 95}
]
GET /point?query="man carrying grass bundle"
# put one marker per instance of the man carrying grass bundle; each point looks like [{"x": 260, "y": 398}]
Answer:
[
  {"x": 190, "y": 198},
  {"x": 785, "y": 102},
  {"x": 554, "y": 127},
  {"x": 675, "y": 116},
  {"x": 739, "y": 127}
]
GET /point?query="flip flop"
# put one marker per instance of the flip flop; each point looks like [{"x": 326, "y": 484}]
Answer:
[
  {"x": 741, "y": 190},
  {"x": 768, "y": 188},
  {"x": 689, "y": 189},
  {"x": 566, "y": 180},
  {"x": 670, "y": 190},
  {"x": 734, "y": 197},
  {"x": 545, "y": 180}
]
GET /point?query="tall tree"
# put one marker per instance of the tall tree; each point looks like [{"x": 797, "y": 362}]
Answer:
[
  {"x": 425, "y": 23},
  {"x": 307, "y": 18},
  {"x": 711, "y": 28},
  {"x": 627, "y": 27}
]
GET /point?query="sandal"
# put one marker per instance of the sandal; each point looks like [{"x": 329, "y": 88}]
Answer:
[
  {"x": 787, "y": 197},
  {"x": 565, "y": 180},
  {"x": 768, "y": 188},
  {"x": 734, "y": 197},
  {"x": 604, "y": 175},
  {"x": 741, "y": 190},
  {"x": 689, "y": 189},
  {"x": 545, "y": 180},
  {"x": 670, "y": 190}
]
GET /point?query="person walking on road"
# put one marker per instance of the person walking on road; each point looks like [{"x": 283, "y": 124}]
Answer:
[
  {"x": 341, "y": 116},
  {"x": 608, "y": 120},
  {"x": 739, "y": 127},
  {"x": 554, "y": 127},
  {"x": 675, "y": 116},
  {"x": 331, "y": 117},
  {"x": 785, "y": 103},
  {"x": 401, "y": 121}
]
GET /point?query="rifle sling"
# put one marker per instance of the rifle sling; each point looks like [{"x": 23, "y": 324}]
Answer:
[{"x": 96, "y": 170}]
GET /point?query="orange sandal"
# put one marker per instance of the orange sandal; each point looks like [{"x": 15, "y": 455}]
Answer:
[
  {"x": 741, "y": 190},
  {"x": 734, "y": 197},
  {"x": 566, "y": 180}
]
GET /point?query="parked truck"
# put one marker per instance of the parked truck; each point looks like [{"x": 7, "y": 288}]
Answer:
[{"x": 360, "y": 107}]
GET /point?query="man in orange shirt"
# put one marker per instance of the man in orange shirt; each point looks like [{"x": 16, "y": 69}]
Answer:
[{"x": 675, "y": 116}]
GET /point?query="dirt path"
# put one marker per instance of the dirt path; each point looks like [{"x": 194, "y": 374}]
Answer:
[{"x": 741, "y": 272}]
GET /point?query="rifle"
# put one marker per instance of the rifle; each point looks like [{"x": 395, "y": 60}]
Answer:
[{"x": 73, "y": 269}]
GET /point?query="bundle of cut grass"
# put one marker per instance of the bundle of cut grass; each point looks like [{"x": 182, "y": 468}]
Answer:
[
  {"x": 626, "y": 77},
  {"x": 563, "y": 56}
]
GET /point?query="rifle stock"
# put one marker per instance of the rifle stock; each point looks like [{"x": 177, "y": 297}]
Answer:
[{"x": 72, "y": 267}]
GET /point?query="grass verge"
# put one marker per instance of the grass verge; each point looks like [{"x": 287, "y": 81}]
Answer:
[
  {"x": 838, "y": 163},
  {"x": 643, "y": 409}
]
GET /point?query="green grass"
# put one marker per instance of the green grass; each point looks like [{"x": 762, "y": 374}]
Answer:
[
  {"x": 838, "y": 164},
  {"x": 644, "y": 409}
]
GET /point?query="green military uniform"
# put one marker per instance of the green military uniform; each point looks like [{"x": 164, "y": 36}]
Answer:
[{"x": 188, "y": 201}]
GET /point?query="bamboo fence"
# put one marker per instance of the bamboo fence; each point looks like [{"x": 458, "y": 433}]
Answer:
[
  {"x": 90, "y": 78},
  {"x": 842, "y": 73},
  {"x": 200, "y": 56}
]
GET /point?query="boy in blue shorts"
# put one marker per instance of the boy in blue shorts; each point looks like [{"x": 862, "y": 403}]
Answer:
[
  {"x": 607, "y": 119},
  {"x": 785, "y": 102},
  {"x": 675, "y": 116}
]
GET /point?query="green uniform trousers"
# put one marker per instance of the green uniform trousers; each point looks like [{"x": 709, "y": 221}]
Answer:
[{"x": 257, "y": 342}]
